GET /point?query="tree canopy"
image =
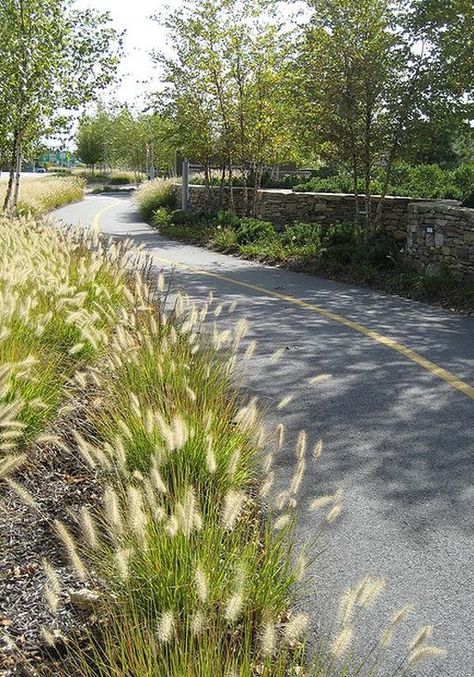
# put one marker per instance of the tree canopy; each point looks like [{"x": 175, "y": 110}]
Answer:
[{"x": 53, "y": 58}]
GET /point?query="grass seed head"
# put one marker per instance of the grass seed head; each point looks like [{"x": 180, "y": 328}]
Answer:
[
  {"x": 370, "y": 592},
  {"x": 202, "y": 587},
  {"x": 280, "y": 435},
  {"x": 234, "y": 463},
  {"x": 233, "y": 504},
  {"x": 10, "y": 464},
  {"x": 282, "y": 522},
  {"x": 198, "y": 623},
  {"x": 52, "y": 588},
  {"x": 166, "y": 627},
  {"x": 250, "y": 349},
  {"x": 285, "y": 401},
  {"x": 423, "y": 653},
  {"x": 23, "y": 494},
  {"x": 420, "y": 638},
  {"x": 342, "y": 642},
  {"x": 295, "y": 627},
  {"x": 210, "y": 456},
  {"x": 333, "y": 514},
  {"x": 301, "y": 445},
  {"x": 268, "y": 639},
  {"x": 322, "y": 502},
  {"x": 113, "y": 511},
  {"x": 318, "y": 449},
  {"x": 156, "y": 479},
  {"x": 70, "y": 546},
  {"x": 298, "y": 477},
  {"x": 89, "y": 528},
  {"x": 122, "y": 561},
  {"x": 234, "y": 607}
]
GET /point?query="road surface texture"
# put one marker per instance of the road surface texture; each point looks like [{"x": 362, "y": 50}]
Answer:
[{"x": 396, "y": 415}]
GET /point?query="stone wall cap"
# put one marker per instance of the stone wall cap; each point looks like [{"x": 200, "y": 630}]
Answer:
[{"x": 336, "y": 196}]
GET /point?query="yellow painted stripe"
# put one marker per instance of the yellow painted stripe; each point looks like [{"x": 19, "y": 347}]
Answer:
[
  {"x": 435, "y": 369},
  {"x": 421, "y": 361},
  {"x": 96, "y": 219}
]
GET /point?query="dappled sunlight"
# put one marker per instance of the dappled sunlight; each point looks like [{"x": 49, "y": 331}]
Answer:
[{"x": 397, "y": 440}]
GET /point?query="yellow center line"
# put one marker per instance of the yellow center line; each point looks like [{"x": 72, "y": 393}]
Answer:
[
  {"x": 453, "y": 380},
  {"x": 96, "y": 219}
]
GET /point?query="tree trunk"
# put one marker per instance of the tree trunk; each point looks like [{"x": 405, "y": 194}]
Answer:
[
  {"x": 257, "y": 184},
  {"x": 355, "y": 178},
  {"x": 381, "y": 202},
  {"x": 368, "y": 204},
  {"x": 207, "y": 185},
  {"x": 245, "y": 191},
  {"x": 231, "y": 188},
  {"x": 222, "y": 184},
  {"x": 11, "y": 177},
  {"x": 368, "y": 167},
  {"x": 17, "y": 177}
]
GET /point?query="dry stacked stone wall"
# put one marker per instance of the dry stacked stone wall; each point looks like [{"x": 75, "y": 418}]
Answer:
[
  {"x": 441, "y": 235},
  {"x": 283, "y": 207},
  {"x": 435, "y": 234}
]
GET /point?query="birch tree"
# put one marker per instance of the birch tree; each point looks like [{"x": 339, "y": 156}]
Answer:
[{"x": 51, "y": 57}]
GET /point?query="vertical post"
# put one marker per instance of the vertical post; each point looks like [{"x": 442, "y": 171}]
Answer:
[{"x": 185, "y": 185}]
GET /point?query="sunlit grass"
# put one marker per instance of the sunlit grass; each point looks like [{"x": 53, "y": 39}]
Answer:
[
  {"x": 51, "y": 321},
  {"x": 190, "y": 576},
  {"x": 41, "y": 195},
  {"x": 155, "y": 194}
]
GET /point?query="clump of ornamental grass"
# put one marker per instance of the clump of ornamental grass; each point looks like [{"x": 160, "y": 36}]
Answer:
[
  {"x": 155, "y": 194},
  {"x": 61, "y": 294},
  {"x": 39, "y": 196},
  {"x": 196, "y": 579}
]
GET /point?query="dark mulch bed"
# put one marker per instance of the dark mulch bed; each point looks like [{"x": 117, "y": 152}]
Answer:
[{"x": 60, "y": 484}]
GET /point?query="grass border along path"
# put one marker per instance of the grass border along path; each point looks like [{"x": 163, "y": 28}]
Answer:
[
  {"x": 43, "y": 194},
  {"x": 171, "y": 552}
]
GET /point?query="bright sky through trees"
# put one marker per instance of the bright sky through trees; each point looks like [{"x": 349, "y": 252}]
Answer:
[{"x": 142, "y": 35}]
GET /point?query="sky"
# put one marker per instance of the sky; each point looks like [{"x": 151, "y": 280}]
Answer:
[{"x": 142, "y": 35}]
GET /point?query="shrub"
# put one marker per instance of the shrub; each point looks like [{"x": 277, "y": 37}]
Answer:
[
  {"x": 463, "y": 179},
  {"x": 341, "y": 183},
  {"x": 224, "y": 239},
  {"x": 117, "y": 177},
  {"x": 429, "y": 180},
  {"x": 441, "y": 280},
  {"x": 187, "y": 216},
  {"x": 60, "y": 171},
  {"x": 340, "y": 234},
  {"x": 251, "y": 230},
  {"x": 422, "y": 181},
  {"x": 366, "y": 271},
  {"x": 301, "y": 234},
  {"x": 161, "y": 217},
  {"x": 227, "y": 218},
  {"x": 154, "y": 194},
  {"x": 264, "y": 249},
  {"x": 469, "y": 201},
  {"x": 379, "y": 251},
  {"x": 121, "y": 180}
]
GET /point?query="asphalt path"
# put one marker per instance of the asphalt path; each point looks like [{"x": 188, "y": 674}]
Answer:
[{"x": 395, "y": 412}]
